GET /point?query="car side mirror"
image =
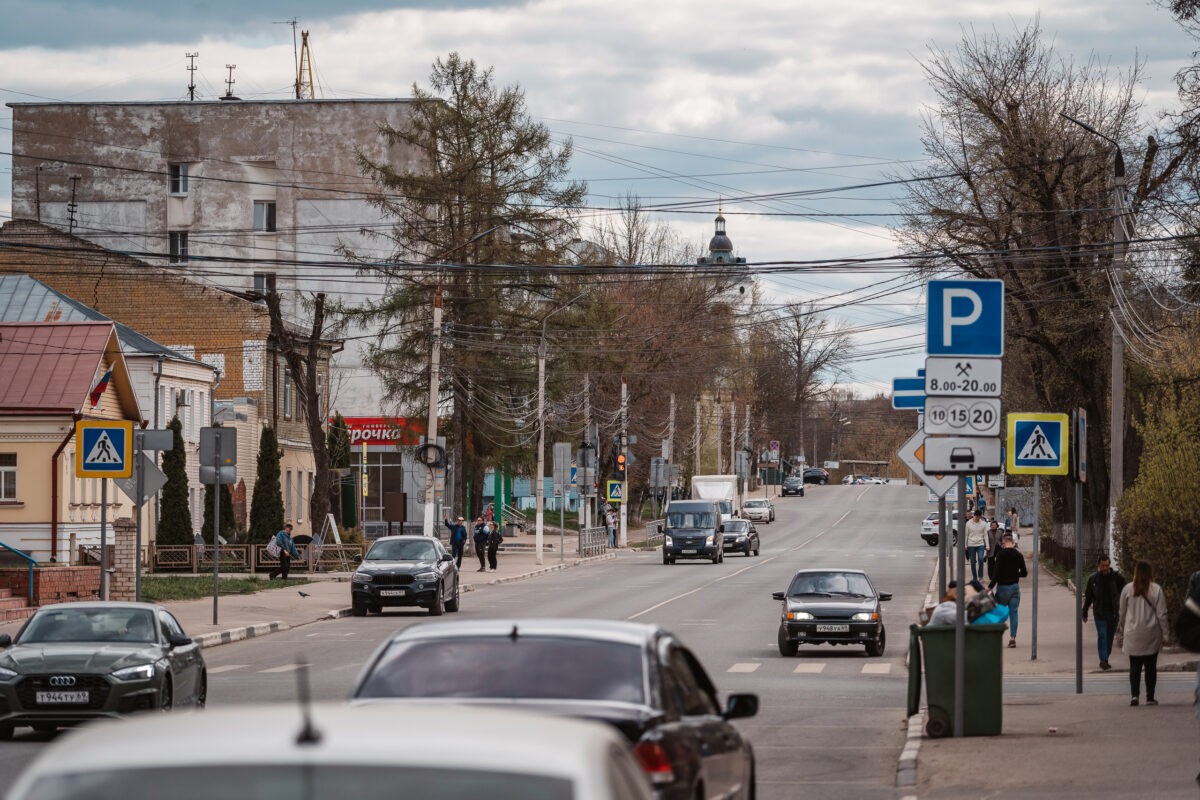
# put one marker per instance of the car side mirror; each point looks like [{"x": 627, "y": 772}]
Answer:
[
  {"x": 778, "y": 595},
  {"x": 885, "y": 595},
  {"x": 740, "y": 706},
  {"x": 660, "y": 527},
  {"x": 179, "y": 641},
  {"x": 447, "y": 557},
  {"x": 5, "y": 640},
  {"x": 358, "y": 558}
]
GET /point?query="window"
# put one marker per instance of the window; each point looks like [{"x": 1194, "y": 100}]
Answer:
[
  {"x": 177, "y": 178},
  {"x": 8, "y": 476},
  {"x": 179, "y": 247},
  {"x": 287, "y": 392},
  {"x": 264, "y": 215},
  {"x": 287, "y": 496},
  {"x": 264, "y": 284},
  {"x": 300, "y": 496}
]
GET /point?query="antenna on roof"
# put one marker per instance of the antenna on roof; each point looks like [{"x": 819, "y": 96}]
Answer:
[
  {"x": 308, "y": 734},
  {"x": 295, "y": 53},
  {"x": 191, "y": 57},
  {"x": 305, "y": 88},
  {"x": 229, "y": 82}
]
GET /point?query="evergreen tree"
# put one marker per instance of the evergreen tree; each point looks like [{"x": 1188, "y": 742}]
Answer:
[
  {"x": 175, "y": 518},
  {"x": 266, "y": 506},
  {"x": 342, "y": 490},
  {"x": 229, "y": 529}
]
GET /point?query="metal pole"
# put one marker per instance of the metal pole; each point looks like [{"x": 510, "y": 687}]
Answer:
[
  {"x": 942, "y": 547},
  {"x": 137, "y": 513},
  {"x": 103, "y": 538},
  {"x": 960, "y": 620},
  {"x": 588, "y": 470},
  {"x": 540, "y": 481},
  {"x": 1037, "y": 509},
  {"x": 696, "y": 442},
  {"x": 623, "y": 539},
  {"x": 431, "y": 426},
  {"x": 1078, "y": 587},
  {"x": 562, "y": 510},
  {"x": 216, "y": 523}
]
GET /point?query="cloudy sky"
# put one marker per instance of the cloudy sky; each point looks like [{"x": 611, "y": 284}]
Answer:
[{"x": 673, "y": 101}]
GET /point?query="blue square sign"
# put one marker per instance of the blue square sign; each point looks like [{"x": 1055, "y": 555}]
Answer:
[
  {"x": 1037, "y": 444},
  {"x": 966, "y": 318}
]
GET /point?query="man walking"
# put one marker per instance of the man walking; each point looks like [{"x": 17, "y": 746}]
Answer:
[
  {"x": 458, "y": 539},
  {"x": 1104, "y": 593},
  {"x": 1009, "y": 569},
  {"x": 481, "y": 543},
  {"x": 976, "y": 533},
  {"x": 287, "y": 551}
]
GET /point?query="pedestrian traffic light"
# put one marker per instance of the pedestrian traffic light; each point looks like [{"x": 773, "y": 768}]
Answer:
[{"x": 620, "y": 470}]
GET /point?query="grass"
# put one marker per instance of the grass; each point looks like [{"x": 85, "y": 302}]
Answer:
[{"x": 188, "y": 587}]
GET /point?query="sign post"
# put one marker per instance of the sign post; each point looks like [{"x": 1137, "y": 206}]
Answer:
[
  {"x": 104, "y": 449},
  {"x": 218, "y": 465}
]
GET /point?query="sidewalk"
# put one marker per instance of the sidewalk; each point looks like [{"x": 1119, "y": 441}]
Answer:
[
  {"x": 1056, "y": 741},
  {"x": 274, "y": 609}
]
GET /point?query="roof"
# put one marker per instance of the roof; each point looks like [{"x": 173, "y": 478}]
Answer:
[
  {"x": 629, "y": 632},
  {"x": 26, "y": 299},
  {"x": 50, "y": 368}
]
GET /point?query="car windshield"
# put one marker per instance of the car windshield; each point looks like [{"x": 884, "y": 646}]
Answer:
[
  {"x": 831, "y": 583},
  {"x": 82, "y": 624},
  {"x": 522, "y": 667},
  {"x": 311, "y": 781},
  {"x": 756, "y": 504},
  {"x": 690, "y": 519},
  {"x": 737, "y": 526},
  {"x": 397, "y": 550}
]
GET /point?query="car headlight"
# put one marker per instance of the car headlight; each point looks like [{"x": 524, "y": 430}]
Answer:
[
  {"x": 363, "y": 577},
  {"x": 7, "y": 674},
  {"x": 142, "y": 672},
  {"x": 708, "y": 542},
  {"x": 865, "y": 616},
  {"x": 799, "y": 615},
  {"x": 667, "y": 541},
  {"x": 741, "y": 538},
  {"x": 426, "y": 576}
]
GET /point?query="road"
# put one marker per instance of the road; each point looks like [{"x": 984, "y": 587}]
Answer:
[{"x": 830, "y": 719}]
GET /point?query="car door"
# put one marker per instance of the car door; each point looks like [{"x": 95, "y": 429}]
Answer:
[
  {"x": 185, "y": 660},
  {"x": 700, "y": 724}
]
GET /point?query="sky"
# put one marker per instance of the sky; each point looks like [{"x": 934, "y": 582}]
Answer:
[{"x": 703, "y": 103}]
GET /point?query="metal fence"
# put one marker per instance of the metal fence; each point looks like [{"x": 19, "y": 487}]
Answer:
[
  {"x": 654, "y": 537},
  {"x": 252, "y": 558},
  {"x": 593, "y": 542}
]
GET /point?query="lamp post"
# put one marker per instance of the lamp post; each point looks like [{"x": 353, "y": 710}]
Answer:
[{"x": 540, "y": 488}]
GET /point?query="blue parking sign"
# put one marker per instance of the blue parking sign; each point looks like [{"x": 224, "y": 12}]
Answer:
[{"x": 965, "y": 318}]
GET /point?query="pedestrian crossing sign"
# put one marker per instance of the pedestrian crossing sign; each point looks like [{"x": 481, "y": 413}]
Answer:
[
  {"x": 1037, "y": 444},
  {"x": 616, "y": 491},
  {"x": 103, "y": 449}
]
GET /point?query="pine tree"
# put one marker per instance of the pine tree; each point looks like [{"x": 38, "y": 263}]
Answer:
[
  {"x": 229, "y": 529},
  {"x": 175, "y": 518},
  {"x": 266, "y": 506}
]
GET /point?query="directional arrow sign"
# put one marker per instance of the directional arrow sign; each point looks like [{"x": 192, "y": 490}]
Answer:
[
  {"x": 153, "y": 479},
  {"x": 962, "y": 377},
  {"x": 912, "y": 453},
  {"x": 908, "y": 393}
]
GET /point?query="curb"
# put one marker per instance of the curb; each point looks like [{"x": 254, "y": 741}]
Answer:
[
  {"x": 906, "y": 767},
  {"x": 207, "y": 640}
]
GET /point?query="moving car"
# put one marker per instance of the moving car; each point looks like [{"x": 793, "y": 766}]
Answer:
[
  {"x": 638, "y": 678},
  {"x": 335, "y": 752},
  {"x": 74, "y": 662},
  {"x": 816, "y": 475},
  {"x": 741, "y": 537},
  {"x": 692, "y": 529},
  {"x": 831, "y": 606},
  {"x": 405, "y": 571},
  {"x": 929, "y": 527},
  {"x": 792, "y": 484},
  {"x": 759, "y": 511}
]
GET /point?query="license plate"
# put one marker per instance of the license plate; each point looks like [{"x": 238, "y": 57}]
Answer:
[
  {"x": 688, "y": 552},
  {"x": 392, "y": 592},
  {"x": 50, "y": 698},
  {"x": 833, "y": 629}
]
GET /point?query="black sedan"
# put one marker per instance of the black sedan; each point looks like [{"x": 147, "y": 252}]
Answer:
[
  {"x": 792, "y": 484},
  {"x": 638, "y": 678},
  {"x": 831, "y": 606},
  {"x": 741, "y": 537},
  {"x": 74, "y": 662},
  {"x": 816, "y": 475},
  {"x": 405, "y": 571}
]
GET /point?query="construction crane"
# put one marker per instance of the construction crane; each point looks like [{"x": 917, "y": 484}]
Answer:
[{"x": 305, "y": 88}]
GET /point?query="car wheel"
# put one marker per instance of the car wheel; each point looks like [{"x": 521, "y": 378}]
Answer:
[
  {"x": 358, "y": 609},
  {"x": 757, "y": 547},
  {"x": 875, "y": 648},
  {"x": 452, "y": 603},
  {"x": 376, "y": 610},
  {"x": 667, "y": 560},
  {"x": 932, "y": 541},
  {"x": 202, "y": 694},
  {"x": 166, "y": 696},
  {"x": 787, "y": 647},
  {"x": 746, "y": 552},
  {"x": 438, "y": 607}
]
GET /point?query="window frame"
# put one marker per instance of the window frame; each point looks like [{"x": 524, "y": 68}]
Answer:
[
  {"x": 8, "y": 479},
  {"x": 177, "y": 247},
  {"x": 177, "y": 178},
  {"x": 268, "y": 221}
]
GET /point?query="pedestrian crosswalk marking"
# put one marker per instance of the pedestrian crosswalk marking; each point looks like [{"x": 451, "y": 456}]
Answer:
[
  {"x": 1037, "y": 447},
  {"x": 876, "y": 669},
  {"x": 809, "y": 669},
  {"x": 284, "y": 668},
  {"x": 744, "y": 667},
  {"x": 225, "y": 668},
  {"x": 103, "y": 451}
]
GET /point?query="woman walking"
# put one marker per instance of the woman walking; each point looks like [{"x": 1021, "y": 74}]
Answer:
[{"x": 1141, "y": 629}]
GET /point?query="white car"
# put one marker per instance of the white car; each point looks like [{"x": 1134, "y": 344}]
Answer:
[
  {"x": 929, "y": 527},
  {"x": 758, "y": 511},
  {"x": 409, "y": 750}
]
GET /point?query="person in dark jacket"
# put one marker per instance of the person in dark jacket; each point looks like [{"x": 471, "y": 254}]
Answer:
[
  {"x": 458, "y": 539},
  {"x": 1008, "y": 571},
  {"x": 1103, "y": 592},
  {"x": 287, "y": 551},
  {"x": 481, "y": 543},
  {"x": 494, "y": 539}
]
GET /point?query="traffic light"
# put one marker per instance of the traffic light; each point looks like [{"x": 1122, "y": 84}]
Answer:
[{"x": 620, "y": 466}]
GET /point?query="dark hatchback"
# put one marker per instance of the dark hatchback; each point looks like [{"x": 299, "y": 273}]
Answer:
[
  {"x": 792, "y": 484},
  {"x": 638, "y": 678},
  {"x": 741, "y": 537},
  {"x": 816, "y": 475},
  {"x": 831, "y": 606},
  {"x": 405, "y": 571}
]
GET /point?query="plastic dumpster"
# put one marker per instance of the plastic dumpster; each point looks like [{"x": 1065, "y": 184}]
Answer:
[{"x": 932, "y": 646}]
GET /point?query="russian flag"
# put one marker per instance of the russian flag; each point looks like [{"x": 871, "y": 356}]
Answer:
[{"x": 98, "y": 391}]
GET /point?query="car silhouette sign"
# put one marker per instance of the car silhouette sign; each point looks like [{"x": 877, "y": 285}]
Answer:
[{"x": 959, "y": 455}]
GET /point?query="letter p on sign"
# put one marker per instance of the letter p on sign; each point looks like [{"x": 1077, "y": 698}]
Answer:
[{"x": 966, "y": 318}]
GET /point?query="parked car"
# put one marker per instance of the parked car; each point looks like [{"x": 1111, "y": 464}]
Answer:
[
  {"x": 759, "y": 511},
  {"x": 692, "y": 529},
  {"x": 929, "y": 527},
  {"x": 333, "y": 752},
  {"x": 638, "y": 678},
  {"x": 831, "y": 606},
  {"x": 741, "y": 537},
  {"x": 792, "y": 484},
  {"x": 816, "y": 475},
  {"x": 74, "y": 662},
  {"x": 405, "y": 571}
]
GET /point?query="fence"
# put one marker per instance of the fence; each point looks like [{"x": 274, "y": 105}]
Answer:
[
  {"x": 593, "y": 542},
  {"x": 654, "y": 537},
  {"x": 251, "y": 558}
]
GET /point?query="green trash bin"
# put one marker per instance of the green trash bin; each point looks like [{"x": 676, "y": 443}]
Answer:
[{"x": 932, "y": 646}]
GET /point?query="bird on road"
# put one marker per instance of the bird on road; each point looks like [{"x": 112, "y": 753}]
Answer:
[{"x": 303, "y": 594}]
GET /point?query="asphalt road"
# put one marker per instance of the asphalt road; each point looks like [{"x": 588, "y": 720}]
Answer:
[{"x": 830, "y": 722}]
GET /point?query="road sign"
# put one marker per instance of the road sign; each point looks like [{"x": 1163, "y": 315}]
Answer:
[
  {"x": 962, "y": 377},
  {"x": 1081, "y": 445},
  {"x": 963, "y": 416},
  {"x": 103, "y": 448},
  {"x": 1037, "y": 444},
  {"x": 153, "y": 479},
  {"x": 912, "y": 453},
  {"x": 908, "y": 393},
  {"x": 965, "y": 318},
  {"x": 616, "y": 491},
  {"x": 963, "y": 455}
]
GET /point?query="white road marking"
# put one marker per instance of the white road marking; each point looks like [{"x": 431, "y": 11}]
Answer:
[
  {"x": 876, "y": 669},
  {"x": 284, "y": 668},
  {"x": 809, "y": 669},
  {"x": 226, "y": 668},
  {"x": 744, "y": 667}
]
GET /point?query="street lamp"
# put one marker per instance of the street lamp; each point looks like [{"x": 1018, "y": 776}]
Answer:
[{"x": 540, "y": 489}]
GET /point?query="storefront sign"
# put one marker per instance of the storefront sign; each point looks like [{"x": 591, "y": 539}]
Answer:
[{"x": 384, "y": 430}]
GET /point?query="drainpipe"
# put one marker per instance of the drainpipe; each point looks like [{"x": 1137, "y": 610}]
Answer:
[{"x": 54, "y": 487}]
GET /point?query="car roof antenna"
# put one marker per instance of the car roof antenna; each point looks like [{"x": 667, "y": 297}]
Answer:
[
  {"x": 513, "y": 634},
  {"x": 308, "y": 734}
]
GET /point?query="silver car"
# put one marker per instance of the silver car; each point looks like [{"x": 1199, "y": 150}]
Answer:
[{"x": 759, "y": 511}]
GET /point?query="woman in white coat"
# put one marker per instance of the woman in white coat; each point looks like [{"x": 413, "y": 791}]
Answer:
[{"x": 1142, "y": 629}]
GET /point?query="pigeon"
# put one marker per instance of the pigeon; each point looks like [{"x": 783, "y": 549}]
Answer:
[{"x": 303, "y": 594}]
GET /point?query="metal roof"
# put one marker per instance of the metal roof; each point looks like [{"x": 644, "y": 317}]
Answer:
[{"x": 50, "y": 367}]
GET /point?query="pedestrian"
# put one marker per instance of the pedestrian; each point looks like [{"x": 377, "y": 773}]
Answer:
[
  {"x": 458, "y": 539},
  {"x": 977, "y": 544},
  {"x": 1008, "y": 571},
  {"x": 494, "y": 540},
  {"x": 481, "y": 542},
  {"x": 287, "y": 551},
  {"x": 1142, "y": 629},
  {"x": 610, "y": 522},
  {"x": 980, "y": 503},
  {"x": 946, "y": 612},
  {"x": 1012, "y": 522},
  {"x": 1103, "y": 594}
]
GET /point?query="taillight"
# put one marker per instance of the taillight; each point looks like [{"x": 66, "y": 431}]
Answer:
[{"x": 653, "y": 758}]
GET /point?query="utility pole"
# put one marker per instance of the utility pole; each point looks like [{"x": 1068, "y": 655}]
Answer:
[
  {"x": 696, "y": 441},
  {"x": 540, "y": 478},
  {"x": 191, "y": 57},
  {"x": 431, "y": 425},
  {"x": 624, "y": 533},
  {"x": 720, "y": 456},
  {"x": 751, "y": 463},
  {"x": 733, "y": 438},
  {"x": 586, "y": 505}
]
